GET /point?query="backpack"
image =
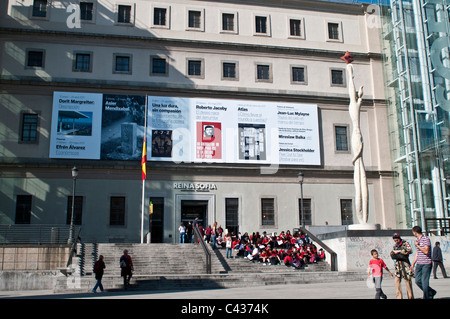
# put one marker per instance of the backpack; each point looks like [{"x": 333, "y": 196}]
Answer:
[{"x": 97, "y": 267}]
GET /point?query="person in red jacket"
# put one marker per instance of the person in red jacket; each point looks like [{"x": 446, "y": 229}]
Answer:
[
  {"x": 376, "y": 266},
  {"x": 264, "y": 256},
  {"x": 275, "y": 258}
]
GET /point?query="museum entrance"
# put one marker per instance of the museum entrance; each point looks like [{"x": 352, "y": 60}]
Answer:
[
  {"x": 156, "y": 221},
  {"x": 190, "y": 209}
]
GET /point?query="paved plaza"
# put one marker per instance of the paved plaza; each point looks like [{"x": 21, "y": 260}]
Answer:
[{"x": 333, "y": 290}]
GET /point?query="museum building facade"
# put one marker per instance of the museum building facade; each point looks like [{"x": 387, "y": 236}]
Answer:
[{"x": 234, "y": 100}]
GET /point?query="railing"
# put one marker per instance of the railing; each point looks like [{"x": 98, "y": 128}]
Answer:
[
  {"x": 198, "y": 238},
  {"x": 34, "y": 234},
  {"x": 74, "y": 248},
  {"x": 440, "y": 226},
  {"x": 333, "y": 255}
]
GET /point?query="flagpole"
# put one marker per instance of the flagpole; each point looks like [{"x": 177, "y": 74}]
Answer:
[{"x": 144, "y": 171}]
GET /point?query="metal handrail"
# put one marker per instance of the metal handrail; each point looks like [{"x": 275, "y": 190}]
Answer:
[
  {"x": 74, "y": 248},
  {"x": 442, "y": 224},
  {"x": 333, "y": 255},
  {"x": 34, "y": 234},
  {"x": 202, "y": 243}
]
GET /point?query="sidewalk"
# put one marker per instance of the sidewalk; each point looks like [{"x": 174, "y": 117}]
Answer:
[{"x": 332, "y": 290}]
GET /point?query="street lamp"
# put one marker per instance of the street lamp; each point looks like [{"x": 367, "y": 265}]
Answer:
[
  {"x": 302, "y": 212},
  {"x": 71, "y": 229}
]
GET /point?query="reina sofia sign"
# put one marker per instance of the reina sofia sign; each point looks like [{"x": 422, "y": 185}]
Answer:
[{"x": 200, "y": 187}]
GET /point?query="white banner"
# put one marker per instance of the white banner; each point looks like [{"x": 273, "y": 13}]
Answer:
[
  {"x": 192, "y": 130},
  {"x": 76, "y": 125},
  {"x": 232, "y": 131}
]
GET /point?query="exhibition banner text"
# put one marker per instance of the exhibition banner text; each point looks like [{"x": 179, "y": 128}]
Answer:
[{"x": 111, "y": 127}]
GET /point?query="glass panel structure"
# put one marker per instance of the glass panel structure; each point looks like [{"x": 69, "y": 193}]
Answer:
[{"x": 415, "y": 38}]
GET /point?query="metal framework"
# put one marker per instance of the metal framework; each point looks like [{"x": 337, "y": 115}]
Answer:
[{"x": 423, "y": 149}]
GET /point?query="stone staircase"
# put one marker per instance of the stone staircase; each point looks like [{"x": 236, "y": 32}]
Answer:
[
  {"x": 149, "y": 259},
  {"x": 182, "y": 266}
]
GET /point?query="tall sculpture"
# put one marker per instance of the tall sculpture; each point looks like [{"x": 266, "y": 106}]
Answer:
[{"x": 359, "y": 172}]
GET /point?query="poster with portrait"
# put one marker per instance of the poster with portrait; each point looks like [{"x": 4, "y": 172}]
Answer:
[{"x": 209, "y": 140}]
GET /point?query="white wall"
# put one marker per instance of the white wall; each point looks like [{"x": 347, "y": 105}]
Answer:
[{"x": 354, "y": 252}]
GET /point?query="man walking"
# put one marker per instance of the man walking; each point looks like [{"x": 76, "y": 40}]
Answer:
[
  {"x": 437, "y": 259},
  {"x": 424, "y": 264}
]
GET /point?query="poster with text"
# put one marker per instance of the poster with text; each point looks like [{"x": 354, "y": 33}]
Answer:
[
  {"x": 191, "y": 130},
  {"x": 233, "y": 131},
  {"x": 76, "y": 125}
]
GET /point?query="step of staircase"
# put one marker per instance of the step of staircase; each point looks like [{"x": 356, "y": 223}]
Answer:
[
  {"x": 149, "y": 258},
  {"x": 172, "y": 282},
  {"x": 243, "y": 265},
  {"x": 182, "y": 266}
]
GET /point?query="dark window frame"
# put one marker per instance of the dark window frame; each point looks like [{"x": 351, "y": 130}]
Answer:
[
  {"x": 39, "y": 9},
  {"x": 346, "y": 206},
  {"x": 268, "y": 211},
  {"x": 29, "y": 128},
  {"x": 86, "y": 11},
  {"x": 24, "y": 205},
  {"x": 117, "y": 210},
  {"x": 124, "y": 14},
  {"x": 78, "y": 208},
  {"x": 307, "y": 208}
]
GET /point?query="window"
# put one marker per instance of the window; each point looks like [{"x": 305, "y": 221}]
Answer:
[
  {"x": 23, "y": 209},
  {"x": 82, "y": 62},
  {"x": 261, "y": 25},
  {"x": 334, "y": 31},
  {"x": 78, "y": 209},
  {"x": 295, "y": 27},
  {"x": 341, "y": 136},
  {"x": 124, "y": 14},
  {"x": 29, "y": 128},
  {"x": 39, "y": 8},
  {"x": 158, "y": 66},
  {"x": 229, "y": 71},
  {"x": 122, "y": 64},
  {"x": 159, "y": 16},
  {"x": 86, "y": 11},
  {"x": 117, "y": 211},
  {"x": 263, "y": 73},
  {"x": 347, "y": 211},
  {"x": 35, "y": 59},
  {"x": 232, "y": 215},
  {"x": 306, "y": 211},
  {"x": 298, "y": 75},
  {"x": 195, "y": 68},
  {"x": 268, "y": 211},
  {"x": 337, "y": 77},
  {"x": 228, "y": 23},
  {"x": 194, "y": 19}
]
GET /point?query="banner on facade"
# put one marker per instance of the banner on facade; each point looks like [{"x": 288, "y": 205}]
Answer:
[{"x": 111, "y": 127}]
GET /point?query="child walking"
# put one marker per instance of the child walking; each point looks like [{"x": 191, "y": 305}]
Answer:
[{"x": 376, "y": 266}]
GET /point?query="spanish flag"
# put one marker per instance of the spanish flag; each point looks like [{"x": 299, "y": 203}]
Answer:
[{"x": 144, "y": 160}]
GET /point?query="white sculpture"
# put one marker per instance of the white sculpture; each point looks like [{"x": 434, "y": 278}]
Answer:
[{"x": 359, "y": 172}]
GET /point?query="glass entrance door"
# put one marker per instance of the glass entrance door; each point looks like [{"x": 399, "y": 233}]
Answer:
[{"x": 190, "y": 209}]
